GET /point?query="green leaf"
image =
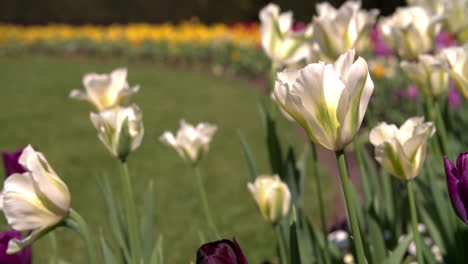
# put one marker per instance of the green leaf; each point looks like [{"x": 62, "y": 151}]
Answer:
[
  {"x": 378, "y": 251},
  {"x": 292, "y": 177},
  {"x": 249, "y": 157},
  {"x": 400, "y": 251},
  {"x": 109, "y": 256},
  {"x": 125, "y": 142},
  {"x": 157, "y": 257},
  {"x": 432, "y": 228},
  {"x": 115, "y": 214},
  {"x": 147, "y": 222},
  {"x": 273, "y": 143},
  {"x": 366, "y": 184},
  {"x": 294, "y": 252}
]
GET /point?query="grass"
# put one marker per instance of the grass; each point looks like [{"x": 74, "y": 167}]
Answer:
[{"x": 35, "y": 110}]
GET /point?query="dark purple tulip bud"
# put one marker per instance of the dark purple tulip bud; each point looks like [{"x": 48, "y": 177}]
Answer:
[
  {"x": 10, "y": 160},
  {"x": 457, "y": 182},
  {"x": 22, "y": 257},
  {"x": 221, "y": 252}
]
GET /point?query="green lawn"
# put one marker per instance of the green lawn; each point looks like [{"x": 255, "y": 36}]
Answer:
[{"x": 35, "y": 109}]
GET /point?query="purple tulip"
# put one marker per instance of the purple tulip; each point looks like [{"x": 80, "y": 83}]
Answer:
[
  {"x": 22, "y": 257},
  {"x": 454, "y": 97},
  {"x": 380, "y": 48},
  {"x": 10, "y": 160},
  {"x": 444, "y": 40},
  {"x": 457, "y": 182},
  {"x": 221, "y": 252},
  {"x": 411, "y": 92}
]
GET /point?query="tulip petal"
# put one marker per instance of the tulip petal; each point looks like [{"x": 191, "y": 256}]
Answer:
[
  {"x": 16, "y": 245},
  {"x": 381, "y": 133},
  {"x": 452, "y": 175},
  {"x": 391, "y": 156},
  {"x": 22, "y": 207},
  {"x": 56, "y": 195},
  {"x": 79, "y": 95},
  {"x": 241, "y": 259}
]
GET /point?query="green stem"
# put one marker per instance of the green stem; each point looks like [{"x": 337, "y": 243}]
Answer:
[
  {"x": 272, "y": 79},
  {"x": 281, "y": 245},
  {"x": 352, "y": 215},
  {"x": 442, "y": 131},
  {"x": 322, "y": 212},
  {"x": 204, "y": 200},
  {"x": 131, "y": 214},
  {"x": 414, "y": 222},
  {"x": 77, "y": 223}
]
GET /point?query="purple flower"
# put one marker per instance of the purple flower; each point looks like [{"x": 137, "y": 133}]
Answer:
[
  {"x": 380, "y": 48},
  {"x": 444, "y": 40},
  {"x": 22, "y": 257},
  {"x": 10, "y": 160},
  {"x": 411, "y": 92},
  {"x": 221, "y": 252},
  {"x": 453, "y": 97},
  {"x": 457, "y": 182}
]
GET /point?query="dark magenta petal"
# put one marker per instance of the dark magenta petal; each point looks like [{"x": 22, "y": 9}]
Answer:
[
  {"x": 10, "y": 160},
  {"x": 462, "y": 163},
  {"x": 221, "y": 252},
  {"x": 453, "y": 180},
  {"x": 22, "y": 257}
]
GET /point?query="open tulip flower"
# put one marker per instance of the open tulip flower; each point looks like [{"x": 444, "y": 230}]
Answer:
[
  {"x": 457, "y": 182},
  {"x": 455, "y": 61},
  {"x": 272, "y": 196},
  {"x": 430, "y": 79},
  {"x": 402, "y": 151},
  {"x": 328, "y": 100},
  {"x": 338, "y": 30},
  {"x": 11, "y": 162},
  {"x": 281, "y": 44},
  {"x": 191, "y": 142},
  {"x": 106, "y": 90},
  {"x": 410, "y": 31},
  {"x": 120, "y": 129},
  {"x": 36, "y": 201},
  {"x": 221, "y": 252}
]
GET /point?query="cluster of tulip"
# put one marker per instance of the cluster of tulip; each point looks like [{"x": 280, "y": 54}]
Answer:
[
  {"x": 318, "y": 82},
  {"x": 225, "y": 48}
]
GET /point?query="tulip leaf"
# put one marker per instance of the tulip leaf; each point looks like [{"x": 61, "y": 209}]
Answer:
[
  {"x": 432, "y": 228},
  {"x": 378, "y": 251},
  {"x": 116, "y": 221},
  {"x": 147, "y": 222},
  {"x": 157, "y": 256},
  {"x": 428, "y": 256},
  {"x": 292, "y": 177},
  {"x": 387, "y": 189},
  {"x": 124, "y": 144},
  {"x": 249, "y": 157},
  {"x": 366, "y": 185},
  {"x": 108, "y": 255},
  {"x": 294, "y": 251},
  {"x": 273, "y": 143},
  {"x": 400, "y": 251}
]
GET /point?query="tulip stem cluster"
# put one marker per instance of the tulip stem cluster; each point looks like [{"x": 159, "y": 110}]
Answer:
[
  {"x": 281, "y": 245},
  {"x": 131, "y": 214},
  {"x": 414, "y": 222},
  {"x": 323, "y": 217},
  {"x": 76, "y": 222},
  {"x": 352, "y": 215},
  {"x": 204, "y": 200}
]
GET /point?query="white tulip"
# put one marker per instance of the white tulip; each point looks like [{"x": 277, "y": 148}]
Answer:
[
  {"x": 410, "y": 31},
  {"x": 272, "y": 196},
  {"x": 338, "y": 30},
  {"x": 36, "y": 201},
  {"x": 402, "y": 151},
  {"x": 428, "y": 77},
  {"x": 191, "y": 143},
  {"x": 328, "y": 100},
  {"x": 280, "y": 43},
  {"x": 453, "y": 11},
  {"x": 455, "y": 61},
  {"x": 120, "y": 129},
  {"x": 106, "y": 90}
]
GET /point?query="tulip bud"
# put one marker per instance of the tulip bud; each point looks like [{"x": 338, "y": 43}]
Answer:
[
  {"x": 36, "y": 201},
  {"x": 455, "y": 61},
  {"x": 338, "y": 30},
  {"x": 280, "y": 42},
  {"x": 191, "y": 143},
  {"x": 106, "y": 90},
  {"x": 410, "y": 31},
  {"x": 431, "y": 80},
  {"x": 402, "y": 151},
  {"x": 221, "y": 252},
  {"x": 11, "y": 162},
  {"x": 328, "y": 100},
  {"x": 23, "y": 257},
  {"x": 272, "y": 196},
  {"x": 457, "y": 182},
  {"x": 120, "y": 129}
]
